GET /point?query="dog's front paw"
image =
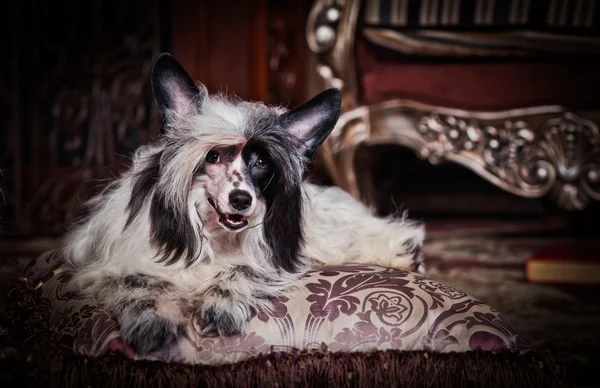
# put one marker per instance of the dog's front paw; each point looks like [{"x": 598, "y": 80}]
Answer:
[
  {"x": 149, "y": 332},
  {"x": 222, "y": 322},
  {"x": 224, "y": 316},
  {"x": 151, "y": 311}
]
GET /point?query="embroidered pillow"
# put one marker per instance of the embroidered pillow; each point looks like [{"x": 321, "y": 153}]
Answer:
[{"x": 340, "y": 309}]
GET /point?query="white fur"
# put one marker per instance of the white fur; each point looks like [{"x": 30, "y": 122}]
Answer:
[{"x": 339, "y": 229}]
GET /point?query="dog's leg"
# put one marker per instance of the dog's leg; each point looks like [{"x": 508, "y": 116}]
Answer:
[
  {"x": 151, "y": 311},
  {"x": 340, "y": 229},
  {"x": 234, "y": 295}
]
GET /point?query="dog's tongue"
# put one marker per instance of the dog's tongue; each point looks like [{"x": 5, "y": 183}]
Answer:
[{"x": 235, "y": 217}]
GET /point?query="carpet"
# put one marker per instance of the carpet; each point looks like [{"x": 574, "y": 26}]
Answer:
[{"x": 487, "y": 261}]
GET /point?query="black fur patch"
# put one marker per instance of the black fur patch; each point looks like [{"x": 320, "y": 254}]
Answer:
[
  {"x": 161, "y": 285},
  {"x": 245, "y": 271},
  {"x": 217, "y": 291},
  {"x": 150, "y": 283},
  {"x": 149, "y": 335},
  {"x": 139, "y": 306},
  {"x": 417, "y": 254},
  {"x": 283, "y": 228},
  {"x": 281, "y": 189},
  {"x": 136, "y": 281},
  {"x": 219, "y": 321},
  {"x": 228, "y": 153},
  {"x": 171, "y": 231},
  {"x": 145, "y": 182}
]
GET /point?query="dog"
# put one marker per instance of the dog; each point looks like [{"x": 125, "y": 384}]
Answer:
[{"x": 214, "y": 219}]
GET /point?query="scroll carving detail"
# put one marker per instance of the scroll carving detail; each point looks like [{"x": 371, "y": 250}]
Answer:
[
  {"x": 329, "y": 33},
  {"x": 561, "y": 158}
]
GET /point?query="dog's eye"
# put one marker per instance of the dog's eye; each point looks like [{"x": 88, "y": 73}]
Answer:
[
  {"x": 213, "y": 157},
  {"x": 261, "y": 163}
]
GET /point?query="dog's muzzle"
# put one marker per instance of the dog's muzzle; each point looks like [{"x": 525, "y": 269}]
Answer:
[{"x": 231, "y": 221}]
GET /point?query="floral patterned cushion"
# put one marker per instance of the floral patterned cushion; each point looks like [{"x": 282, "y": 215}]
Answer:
[{"x": 339, "y": 309}]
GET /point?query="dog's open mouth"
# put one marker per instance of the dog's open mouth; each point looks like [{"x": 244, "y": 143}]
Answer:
[{"x": 230, "y": 221}]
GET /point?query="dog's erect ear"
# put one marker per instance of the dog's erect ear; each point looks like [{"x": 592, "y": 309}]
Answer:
[
  {"x": 174, "y": 91},
  {"x": 312, "y": 122}
]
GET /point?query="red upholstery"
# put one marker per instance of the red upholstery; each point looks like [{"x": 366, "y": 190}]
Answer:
[{"x": 475, "y": 84}]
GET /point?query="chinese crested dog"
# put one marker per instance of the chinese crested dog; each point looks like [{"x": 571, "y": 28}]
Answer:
[{"x": 214, "y": 219}]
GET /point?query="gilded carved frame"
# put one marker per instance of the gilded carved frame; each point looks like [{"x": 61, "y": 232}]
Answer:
[{"x": 531, "y": 152}]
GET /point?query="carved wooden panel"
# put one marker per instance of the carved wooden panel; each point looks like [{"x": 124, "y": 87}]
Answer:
[
  {"x": 85, "y": 103},
  {"x": 535, "y": 152}
]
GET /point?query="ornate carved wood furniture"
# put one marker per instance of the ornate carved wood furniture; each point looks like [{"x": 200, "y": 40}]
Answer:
[{"x": 507, "y": 89}]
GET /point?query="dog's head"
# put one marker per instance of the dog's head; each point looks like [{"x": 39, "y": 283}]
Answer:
[{"x": 228, "y": 164}]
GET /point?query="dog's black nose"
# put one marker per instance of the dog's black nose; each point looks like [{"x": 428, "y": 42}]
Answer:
[{"x": 240, "y": 200}]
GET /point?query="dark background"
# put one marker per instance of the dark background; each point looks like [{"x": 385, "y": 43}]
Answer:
[{"x": 75, "y": 101}]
